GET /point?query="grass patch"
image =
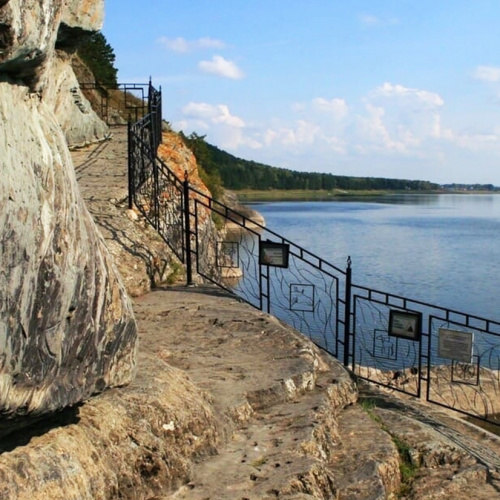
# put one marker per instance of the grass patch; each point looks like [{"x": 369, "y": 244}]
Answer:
[
  {"x": 176, "y": 272},
  {"x": 407, "y": 468},
  {"x": 218, "y": 221},
  {"x": 248, "y": 195},
  {"x": 369, "y": 405}
]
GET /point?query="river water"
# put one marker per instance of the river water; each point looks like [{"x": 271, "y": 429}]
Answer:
[{"x": 440, "y": 249}]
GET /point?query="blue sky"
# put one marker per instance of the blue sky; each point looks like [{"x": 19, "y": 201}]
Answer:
[{"x": 406, "y": 89}]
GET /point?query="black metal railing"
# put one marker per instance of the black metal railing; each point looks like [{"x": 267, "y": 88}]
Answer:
[
  {"x": 120, "y": 103},
  {"x": 397, "y": 342}
]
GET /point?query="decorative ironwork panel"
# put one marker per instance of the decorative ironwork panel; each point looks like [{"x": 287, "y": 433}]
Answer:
[
  {"x": 387, "y": 360},
  {"x": 130, "y": 100},
  {"x": 228, "y": 254},
  {"x": 306, "y": 297},
  {"x": 470, "y": 384},
  {"x": 170, "y": 209},
  {"x": 302, "y": 297},
  {"x": 142, "y": 169},
  {"x": 234, "y": 265},
  {"x": 384, "y": 346},
  {"x": 305, "y": 294}
]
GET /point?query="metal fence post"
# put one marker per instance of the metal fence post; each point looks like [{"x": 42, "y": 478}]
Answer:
[
  {"x": 156, "y": 193},
  {"x": 130, "y": 167},
  {"x": 347, "y": 315},
  {"x": 187, "y": 229}
]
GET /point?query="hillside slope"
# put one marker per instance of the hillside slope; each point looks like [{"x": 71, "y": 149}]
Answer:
[{"x": 237, "y": 173}]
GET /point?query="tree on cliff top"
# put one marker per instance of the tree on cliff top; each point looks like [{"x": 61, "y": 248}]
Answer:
[{"x": 99, "y": 56}]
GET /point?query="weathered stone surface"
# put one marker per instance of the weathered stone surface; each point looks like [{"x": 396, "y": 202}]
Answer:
[
  {"x": 28, "y": 31},
  {"x": 67, "y": 328},
  {"x": 66, "y": 325},
  {"x": 78, "y": 120},
  {"x": 450, "y": 458},
  {"x": 144, "y": 441},
  {"x": 75, "y": 114},
  {"x": 78, "y": 16},
  {"x": 130, "y": 444},
  {"x": 274, "y": 419},
  {"x": 140, "y": 254}
]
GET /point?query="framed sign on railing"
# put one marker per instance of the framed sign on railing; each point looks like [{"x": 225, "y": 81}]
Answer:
[{"x": 273, "y": 254}]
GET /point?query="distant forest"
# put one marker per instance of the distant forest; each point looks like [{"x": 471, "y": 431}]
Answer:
[{"x": 220, "y": 167}]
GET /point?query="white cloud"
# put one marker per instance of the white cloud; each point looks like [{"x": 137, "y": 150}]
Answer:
[
  {"x": 438, "y": 131},
  {"x": 217, "y": 114},
  {"x": 302, "y": 137},
  {"x": 336, "y": 144},
  {"x": 375, "y": 134},
  {"x": 479, "y": 142},
  {"x": 424, "y": 96},
  {"x": 401, "y": 120},
  {"x": 223, "y": 128},
  {"x": 370, "y": 21},
  {"x": 226, "y": 117},
  {"x": 178, "y": 44},
  {"x": 182, "y": 45},
  {"x": 210, "y": 43},
  {"x": 221, "y": 67},
  {"x": 393, "y": 130},
  {"x": 487, "y": 74},
  {"x": 337, "y": 107}
]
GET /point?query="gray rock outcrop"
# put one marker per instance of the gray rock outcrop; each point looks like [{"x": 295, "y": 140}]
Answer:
[
  {"x": 79, "y": 121},
  {"x": 37, "y": 43},
  {"x": 67, "y": 329}
]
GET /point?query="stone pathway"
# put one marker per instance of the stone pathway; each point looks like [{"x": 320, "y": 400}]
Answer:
[
  {"x": 280, "y": 399},
  {"x": 140, "y": 254}
]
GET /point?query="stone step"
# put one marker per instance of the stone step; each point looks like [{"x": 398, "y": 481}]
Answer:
[
  {"x": 450, "y": 457},
  {"x": 308, "y": 448},
  {"x": 367, "y": 463},
  {"x": 283, "y": 396},
  {"x": 247, "y": 360}
]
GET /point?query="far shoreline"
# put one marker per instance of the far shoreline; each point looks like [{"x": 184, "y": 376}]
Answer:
[{"x": 254, "y": 196}]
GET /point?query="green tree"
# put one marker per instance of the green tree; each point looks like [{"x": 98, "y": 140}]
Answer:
[
  {"x": 99, "y": 56},
  {"x": 223, "y": 168}
]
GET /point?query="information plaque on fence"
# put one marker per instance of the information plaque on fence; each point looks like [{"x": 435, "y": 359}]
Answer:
[
  {"x": 454, "y": 344},
  {"x": 406, "y": 325},
  {"x": 273, "y": 254}
]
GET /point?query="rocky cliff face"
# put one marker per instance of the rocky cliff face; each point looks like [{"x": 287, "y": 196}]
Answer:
[
  {"x": 37, "y": 43},
  {"x": 66, "y": 325},
  {"x": 80, "y": 123}
]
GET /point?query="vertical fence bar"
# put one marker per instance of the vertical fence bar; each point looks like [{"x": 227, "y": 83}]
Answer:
[
  {"x": 159, "y": 118},
  {"x": 156, "y": 194},
  {"x": 130, "y": 167},
  {"x": 347, "y": 315},
  {"x": 428, "y": 367},
  {"x": 264, "y": 288},
  {"x": 268, "y": 290},
  {"x": 187, "y": 229},
  {"x": 197, "y": 236}
]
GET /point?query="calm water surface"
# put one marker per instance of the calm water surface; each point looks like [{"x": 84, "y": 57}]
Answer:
[{"x": 442, "y": 249}]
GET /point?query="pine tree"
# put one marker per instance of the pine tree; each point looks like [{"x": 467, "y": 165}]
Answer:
[{"x": 99, "y": 56}]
